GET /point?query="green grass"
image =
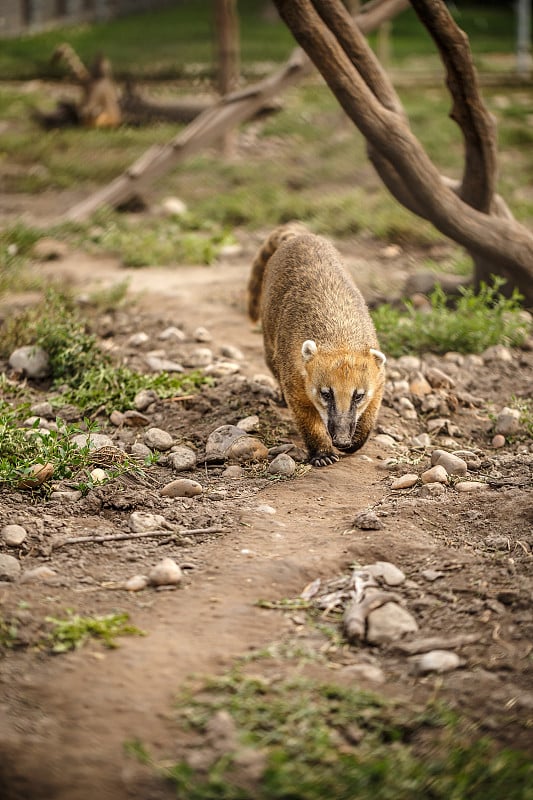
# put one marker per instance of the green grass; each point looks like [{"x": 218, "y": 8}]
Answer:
[
  {"x": 476, "y": 322},
  {"x": 75, "y": 630},
  {"x": 320, "y": 740},
  {"x": 178, "y": 40}
]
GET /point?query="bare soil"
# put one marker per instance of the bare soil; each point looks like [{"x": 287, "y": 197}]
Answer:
[{"x": 64, "y": 719}]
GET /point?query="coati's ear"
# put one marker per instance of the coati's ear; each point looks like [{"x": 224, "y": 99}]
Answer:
[
  {"x": 380, "y": 358},
  {"x": 309, "y": 349}
]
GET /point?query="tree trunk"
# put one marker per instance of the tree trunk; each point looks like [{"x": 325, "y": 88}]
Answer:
[
  {"x": 228, "y": 57},
  {"x": 469, "y": 213}
]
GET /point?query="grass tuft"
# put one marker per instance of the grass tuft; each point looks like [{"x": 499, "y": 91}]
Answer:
[{"x": 74, "y": 631}]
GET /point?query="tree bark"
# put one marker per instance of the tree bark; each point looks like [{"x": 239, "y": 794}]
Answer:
[{"x": 470, "y": 217}]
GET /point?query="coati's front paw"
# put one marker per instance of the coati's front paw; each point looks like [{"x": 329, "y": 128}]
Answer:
[{"x": 323, "y": 459}]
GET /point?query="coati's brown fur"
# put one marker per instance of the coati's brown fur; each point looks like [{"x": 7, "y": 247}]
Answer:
[{"x": 320, "y": 342}]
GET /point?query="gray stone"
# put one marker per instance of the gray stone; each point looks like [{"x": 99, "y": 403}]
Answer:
[
  {"x": 201, "y": 334},
  {"x": 409, "y": 363},
  {"x": 142, "y": 521},
  {"x": 9, "y": 568},
  {"x": 66, "y": 495},
  {"x": 364, "y": 672},
  {"x": 137, "y": 339},
  {"x": 158, "y": 364},
  {"x": 182, "y": 458},
  {"x": 431, "y": 574},
  {"x": 136, "y": 583},
  {"x": 233, "y": 353},
  {"x": 232, "y": 443},
  {"x": 172, "y": 333},
  {"x": 498, "y": 352},
  {"x": 384, "y": 439},
  {"x": 419, "y": 386},
  {"x": 233, "y": 471},
  {"x": 249, "y": 424},
  {"x": 432, "y": 490},
  {"x": 388, "y": 623},
  {"x": 390, "y": 573},
  {"x": 222, "y": 369},
  {"x": 201, "y": 357},
  {"x": 438, "y": 379},
  {"x": 282, "y": 465},
  {"x": 140, "y": 450},
  {"x": 145, "y": 398},
  {"x": 421, "y": 442},
  {"x": 43, "y": 409},
  {"x": 13, "y": 535},
  {"x": 507, "y": 421},
  {"x": 94, "y": 440},
  {"x": 405, "y": 481},
  {"x": 368, "y": 521},
  {"x": 32, "y": 360},
  {"x": 42, "y": 574},
  {"x": 157, "y": 439},
  {"x": 452, "y": 464}
]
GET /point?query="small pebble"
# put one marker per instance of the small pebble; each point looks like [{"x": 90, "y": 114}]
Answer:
[
  {"x": 419, "y": 386},
  {"x": 158, "y": 364},
  {"x": 422, "y": 441},
  {"x": 452, "y": 464},
  {"x": 9, "y": 568},
  {"x": 182, "y": 487},
  {"x": 249, "y": 424},
  {"x": 134, "y": 419},
  {"x": 405, "y": 481},
  {"x": 431, "y": 574},
  {"x": 182, "y": 458},
  {"x": 201, "y": 357},
  {"x": 13, "y": 535},
  {"x": 233, "y": 353},
  {"x": 388, "y": 623},
  {"x": 282, "y": 465},
  {"x": 32, "y": 360},
  {"x": 66, "y": 495},
  {"x": 222, "y": 369},
  {"x": 165, "y": 573},
  {"x": 435, "y": 475},
  {"x": 471, "y": 486},
  {"x": 42, "y": 574},
  {"x": 507, "y": 421},
  {"x": 144, "y": 399},
  {"x": 432, "y": 490},
  {"x": 384, "y": 439},
  {"x": 439, "y": 379},
  {"x": 137, "y": 339},
  {"x": 233, "y": 471},
  {"x": 36, "y": 476},
  {"x": 93, "y": 440},
  {"x": 98, "y": 475},
  {"x": 142, "y": 521},
  {"x": 140, "y": 450},
  {"x": 437, "y": 661},
  {"x": 391, "y": 574},
  {"x": 409, "y": 363},
  {"x": 201, "y": 334},
  {"x": 157, "y": 439},
  {"x": 365, "y": 672},
  {"x": 367, "y": 521},
  {"x": 498, "y": 441},
  {"x": 172, "y": 333},
  {"x": 43, "y": 409},
  {"x": 265, "y": 509},
  {"x": 136, "y": 583},
  {"x": 498, "y": 352}
]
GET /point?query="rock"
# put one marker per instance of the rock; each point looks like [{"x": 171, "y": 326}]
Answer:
[
  {"x": 48, "y": 249},
  {"x": 157, "y": 364},
  {"x": 221, "y": 732},
  {"x": 498, "y": 352},
  {"x": 222, "y": 369},
  {"x": 143, "y": 521},
  {"x": 452, "y": 464},
  {"x": 431, "y": 574},
  {"x": 182, "y": 487},
  {"x": 391, "y": 574},
  {"x": 472, "y": 460},
  {"x": 405, "y": 481},
  {"x": 165, "y": 573},
  {"x": 263, "y": 508},
  {"x": 116, "y": 418},
  {"x": 436, "y": 474},
  {"x": 249, "y": 424},
  {"x": 454, "y": 358},
  {"x": 36, "y": 475},
  {"x": 438, "y": 379},
  {"x": 42, "y": 574},
  {"x": 140, "y": 450},
  {"x": 389, "y": 623},
  {"x": 43, "y": 409},
  {"x": 137, "y": 339},
  {"x": 9, "y": 568},
  {"x": 228, "y": 442},
  {"x": 421, "y": 442},
  {"x": 98, "y": 475},
  {"x": 367, "y": 521},
  {"x": 432, "y": 490},
  {"x": 436, "y": 661},
  {"x": 507, "y": 421},
  {"x": 282, "y": 465},
  {"x": 173, "y": 334},
  {"x": 419, "y": 386},
  {"x": 233, "y": 353},
  {"x": 33, "y": 361},
  {"x": 384, "y": 439},
  {"x": 233, "y": 471},
  {"x": 174, "y": 207},
  {"x": 66, "y": 495},
  {"x": 144, "y": 399},
  {"x": 409, "y": 363},
  {"x": 134, "y": 419},
  {"x": 136, "y": 583},
  {"x": 471, "y": 486},
  {"x": 201, "y": 334},
  {"x": 13, "y": 535},
  {"x": 201, "y": 357},
  {"x": 182, "y": 458},
  {"x": 218, "y": 494},
  {"x": 498, "y": 441},
  {"x": 157, "y": 439},
  {"x": 94, "y": 441},
  {"x": 364, "y": 672},
  {"x": 406, "y": 409},
  {"x": 390, "y": 251}
]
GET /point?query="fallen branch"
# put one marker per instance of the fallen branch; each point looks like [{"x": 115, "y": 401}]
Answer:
[{"x": 121, "y": 537}]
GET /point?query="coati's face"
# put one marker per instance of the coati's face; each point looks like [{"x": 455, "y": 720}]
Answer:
[{"x": 341, "y": 385}]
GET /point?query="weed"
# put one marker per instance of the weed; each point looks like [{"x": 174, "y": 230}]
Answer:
[
  {"x": 525, "y": 406},
  {"x": 319, "y": 740},
  {"x": 74, "y": 631},
  {"x": 475, "y": 323},
  {"x": 8, "y": 634}
]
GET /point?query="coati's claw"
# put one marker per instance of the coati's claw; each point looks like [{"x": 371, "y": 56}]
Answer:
[{"x": 323, "y": 459}]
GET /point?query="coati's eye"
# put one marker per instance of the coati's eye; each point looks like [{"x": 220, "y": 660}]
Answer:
[
  {"x": 325, "y": 394},
  {"x": 358, "y": 397}
]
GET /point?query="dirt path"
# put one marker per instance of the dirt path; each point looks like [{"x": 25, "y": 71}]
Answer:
[{"x": 64, "y": 720}]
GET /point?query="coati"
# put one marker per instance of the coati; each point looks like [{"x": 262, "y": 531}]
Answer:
[{"x": 319, "y": 340}]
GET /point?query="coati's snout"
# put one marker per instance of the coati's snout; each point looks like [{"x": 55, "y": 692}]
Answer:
[{"x": 341, "y": 386}]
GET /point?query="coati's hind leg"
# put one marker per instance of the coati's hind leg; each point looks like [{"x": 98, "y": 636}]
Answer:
[{"x": 316, "y": 438}]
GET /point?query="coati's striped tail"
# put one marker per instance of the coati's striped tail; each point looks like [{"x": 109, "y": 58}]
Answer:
[
  {"x": 269, "y": 247},
  {"x": 70, "y": 57}
]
